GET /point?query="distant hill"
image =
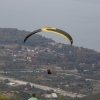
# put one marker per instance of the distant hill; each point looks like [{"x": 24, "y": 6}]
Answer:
[
  {"x": 60, "y": 54},
  {"x": 13, "y": 35}
]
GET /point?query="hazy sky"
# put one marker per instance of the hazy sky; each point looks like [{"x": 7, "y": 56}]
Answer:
[{"x": 80, "y": 18}]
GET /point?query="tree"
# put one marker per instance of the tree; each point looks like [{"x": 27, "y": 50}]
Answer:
[
  {"x": 61, "y": 98},
  {"x": 28, "y": 85},
  {"x": 16, "y": 98},
  {"x": 6, "y": 81},
  {"x": 2, "y": 97}
]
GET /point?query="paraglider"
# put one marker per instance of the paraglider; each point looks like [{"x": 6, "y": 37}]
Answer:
[
  {"x": 49, "y": 71},
  {"x": 53, "y": 30}
]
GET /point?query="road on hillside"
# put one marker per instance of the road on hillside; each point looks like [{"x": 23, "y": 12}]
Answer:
[{"x": 56, "y": 90}]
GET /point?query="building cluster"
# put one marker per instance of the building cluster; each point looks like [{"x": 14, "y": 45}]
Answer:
[{"x": 92, "y": 80}]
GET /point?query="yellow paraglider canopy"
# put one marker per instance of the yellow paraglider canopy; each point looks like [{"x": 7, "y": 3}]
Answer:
[{"x": 53, "y": 30}]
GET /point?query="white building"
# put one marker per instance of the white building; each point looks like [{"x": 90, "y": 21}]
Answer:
[
  {"x": 11, "y": 84},
  {"x": 54, "y": 95}
]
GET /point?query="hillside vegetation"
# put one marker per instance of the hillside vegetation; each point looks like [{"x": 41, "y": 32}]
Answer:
[{"x": 74, "y": 69}]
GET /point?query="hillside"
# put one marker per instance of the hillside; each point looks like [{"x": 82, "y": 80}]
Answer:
[
  {"x": 71, "y": 54},
  {"x": 75, "y": 69},
  {"x": 12, "y": 35}
]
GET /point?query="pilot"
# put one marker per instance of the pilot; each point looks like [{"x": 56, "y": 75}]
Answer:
[{"x": 49, "y": 71}]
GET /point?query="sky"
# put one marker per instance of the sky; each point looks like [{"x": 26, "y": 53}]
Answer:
[{"x": 80, "y": 18}]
